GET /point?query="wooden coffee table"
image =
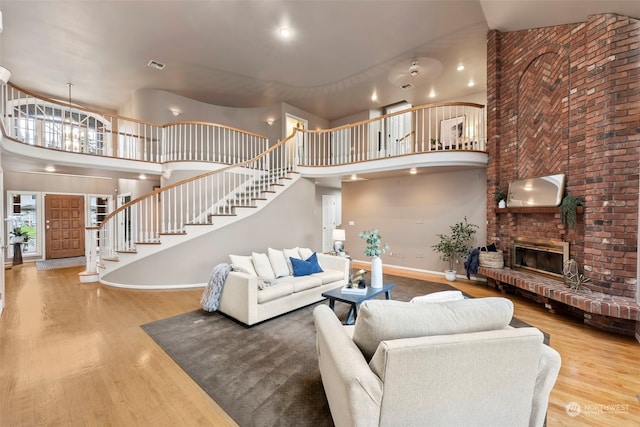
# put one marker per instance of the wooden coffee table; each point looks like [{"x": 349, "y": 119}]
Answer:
[{"x": 356, "y": 299}]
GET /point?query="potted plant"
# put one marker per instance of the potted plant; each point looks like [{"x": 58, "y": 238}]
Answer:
[
  {"x": 568, "y": 210},
  {"x": 500, "y": 196},
  {"x": 455, "y": 245},
  {"x": 374, "y": 248},
  {"x": 18, "y": 235}
]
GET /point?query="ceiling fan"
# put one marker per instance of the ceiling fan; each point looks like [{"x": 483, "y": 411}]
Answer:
[{"x": 418, "y": 71}]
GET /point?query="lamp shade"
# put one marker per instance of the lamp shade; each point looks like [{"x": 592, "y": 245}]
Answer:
[{"x": 339, "y": 234}]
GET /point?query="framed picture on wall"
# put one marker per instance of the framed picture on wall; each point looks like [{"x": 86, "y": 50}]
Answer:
[{"x": 451, "y": 131}]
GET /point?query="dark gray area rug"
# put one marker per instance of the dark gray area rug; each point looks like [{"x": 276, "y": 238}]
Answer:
[{"x": 267, "y": 374}]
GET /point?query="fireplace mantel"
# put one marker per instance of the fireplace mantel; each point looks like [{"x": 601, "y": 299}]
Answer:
[{"x": 534, "y": 210}]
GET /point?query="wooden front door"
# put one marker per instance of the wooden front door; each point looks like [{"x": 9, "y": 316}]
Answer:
[{"x": 64, "y": 226}]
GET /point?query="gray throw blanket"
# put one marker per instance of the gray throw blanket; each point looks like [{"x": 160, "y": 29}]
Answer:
[{"x": 211, "y": 296}]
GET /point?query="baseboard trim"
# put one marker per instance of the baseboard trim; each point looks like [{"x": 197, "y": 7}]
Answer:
[
  {"x": 153, "y": 287},
  {"x": 419, "y": 270}
]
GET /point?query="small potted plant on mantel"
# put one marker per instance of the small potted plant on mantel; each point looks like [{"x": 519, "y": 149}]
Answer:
[
  {"x": 569, "y": 209},
  {"x": 500, "y": 196},
  {"x": 455, "y": 245}
]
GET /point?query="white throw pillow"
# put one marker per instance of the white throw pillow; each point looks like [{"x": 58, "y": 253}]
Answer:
[
  {"x": 441, "y": 296},
  {"x": 278, "y": 263},
  {"x": 305, "y": 253},
  {"x": 243, "y": 262},
  {"x": 262, "y": 265},
  {"x": 291, "y": 253}
]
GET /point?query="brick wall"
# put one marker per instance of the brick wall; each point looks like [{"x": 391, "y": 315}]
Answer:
[{"x": 566, "y": 99}]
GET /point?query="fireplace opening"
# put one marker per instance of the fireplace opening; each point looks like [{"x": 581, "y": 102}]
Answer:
[{"x": 545, "y": 257}]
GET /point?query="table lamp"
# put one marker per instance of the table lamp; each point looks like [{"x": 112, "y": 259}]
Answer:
[{"x": 339, "y": 236}]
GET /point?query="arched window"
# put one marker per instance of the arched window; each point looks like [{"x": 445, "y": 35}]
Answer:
[{"x": 49, "y": 125}]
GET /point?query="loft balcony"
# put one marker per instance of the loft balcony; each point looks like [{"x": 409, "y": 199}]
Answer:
[{"x": 439, "y": 135}]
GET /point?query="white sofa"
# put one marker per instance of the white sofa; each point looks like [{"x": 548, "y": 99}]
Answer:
[
  {"x": 260, "y": 286},
  {"x": 455, "y": 363}
]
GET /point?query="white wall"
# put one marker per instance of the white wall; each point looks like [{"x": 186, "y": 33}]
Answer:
[{"x": 410, "y": 210}]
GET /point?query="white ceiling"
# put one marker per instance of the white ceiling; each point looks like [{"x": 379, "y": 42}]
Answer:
[{"x": 229, "y": 52}]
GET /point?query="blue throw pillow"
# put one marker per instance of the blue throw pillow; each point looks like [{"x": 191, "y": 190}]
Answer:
[{"x": 305, "y": 267}]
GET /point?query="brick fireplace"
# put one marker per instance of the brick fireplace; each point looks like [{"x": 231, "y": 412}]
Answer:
[
  {"x": 570, "y": 95},
  {"x": 544, "y": 257}
]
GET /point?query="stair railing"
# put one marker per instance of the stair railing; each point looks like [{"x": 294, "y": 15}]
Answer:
[
  {"x": 194, "y": 201},
  {"x": 423, "y": 129}
]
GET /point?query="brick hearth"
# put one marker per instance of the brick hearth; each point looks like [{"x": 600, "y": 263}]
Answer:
[
  {"x": 598, "y": 309},
  {"x": 565, "y": 99}
]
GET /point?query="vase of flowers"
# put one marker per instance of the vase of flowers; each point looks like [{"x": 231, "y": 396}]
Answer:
[{"x": 374, "y": 248}]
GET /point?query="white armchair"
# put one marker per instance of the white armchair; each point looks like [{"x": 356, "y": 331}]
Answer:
[{"x": 441, "y": 364}]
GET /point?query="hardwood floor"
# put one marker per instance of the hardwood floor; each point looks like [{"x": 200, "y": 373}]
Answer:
[{"x": 73, "y": 354}]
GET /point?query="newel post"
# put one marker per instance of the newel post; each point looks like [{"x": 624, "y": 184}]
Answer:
[{"x": 90, "y": 251}]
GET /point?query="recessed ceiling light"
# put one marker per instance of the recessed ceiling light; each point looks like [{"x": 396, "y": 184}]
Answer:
[
  {"x": 142, "y": 176},
  {"x": 460, "y": 67},
  {"x": 354, "y": 177},
  {"x": 432, "y": 94},
  {"x": 155, "y": 64},
  {"x": 471, "y": 83},
  {"x": 50, "y": 168},
  {"x": 285, "y": 32},
  {"x": 413, "y": 171},
  {"x": 374, "y": 97}
]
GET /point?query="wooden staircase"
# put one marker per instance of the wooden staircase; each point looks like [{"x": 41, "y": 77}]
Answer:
[{"x": 253, "y": 197}]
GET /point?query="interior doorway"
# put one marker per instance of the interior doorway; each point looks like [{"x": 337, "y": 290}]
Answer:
[
  {"x": 293, "y": 122},
  {"x": 2, "y": 243},
  {"x": 329, "y": 220},
  {"x": 64, "y": 225},
  {"x": 125, "y": 232}
]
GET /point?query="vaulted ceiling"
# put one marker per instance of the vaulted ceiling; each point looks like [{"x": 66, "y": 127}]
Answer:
[{"x": 230, "y": 53}]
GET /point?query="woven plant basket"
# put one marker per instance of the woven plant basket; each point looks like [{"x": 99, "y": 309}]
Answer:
[{"x": 491, "y": 259}]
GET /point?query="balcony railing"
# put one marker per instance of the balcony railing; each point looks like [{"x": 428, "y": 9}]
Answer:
[
  {"x": 424, "y": 129},
  {"x": 38, "y": 121}
]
